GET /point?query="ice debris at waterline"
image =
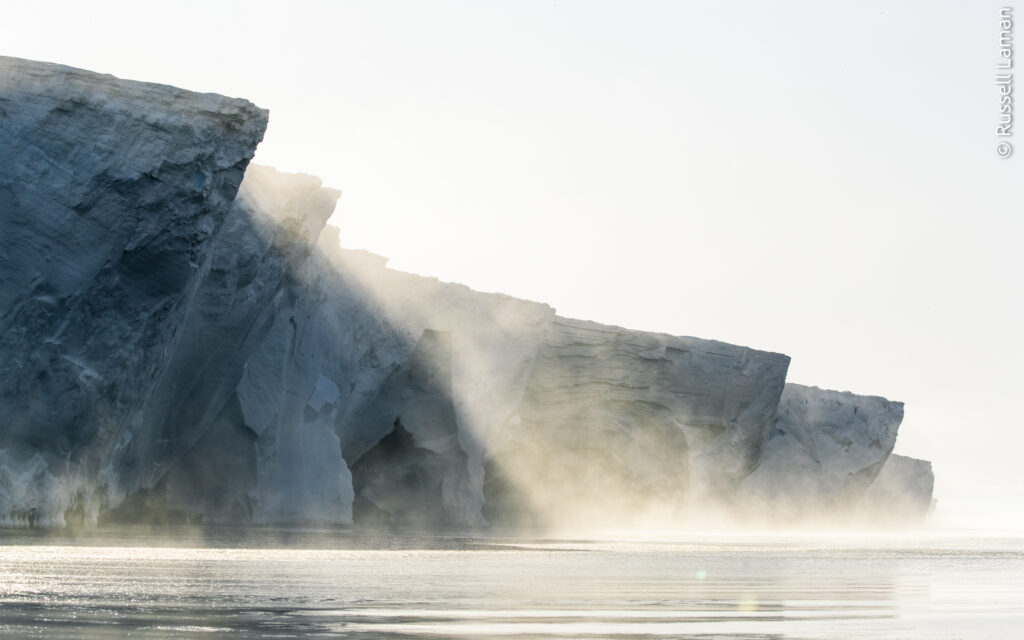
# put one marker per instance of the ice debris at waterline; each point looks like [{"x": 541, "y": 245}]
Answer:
[{"x": 183, "y": 340}]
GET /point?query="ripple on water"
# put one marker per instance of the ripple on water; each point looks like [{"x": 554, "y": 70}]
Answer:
[{"x": 699, "y": 587}]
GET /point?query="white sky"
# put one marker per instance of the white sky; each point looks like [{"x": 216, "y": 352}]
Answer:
[{"x": 812, "y": 178}]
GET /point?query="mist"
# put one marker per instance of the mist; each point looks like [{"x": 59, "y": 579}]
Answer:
[
  {"x": 609, "y": 163},
  {"x": 460, "y": 410},
  {"x": 643, "y": 320}
]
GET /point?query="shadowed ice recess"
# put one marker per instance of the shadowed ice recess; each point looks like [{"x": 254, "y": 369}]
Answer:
[{"x": 182, "y": 340}]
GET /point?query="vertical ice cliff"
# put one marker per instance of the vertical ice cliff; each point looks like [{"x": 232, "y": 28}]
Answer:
[
  {"x": 448, "y": 363},
  {"x": 824, "y": 449},
  {"x": 110, "y": 194},
  {"x": 618, "y": 423},
  {"x": 900, "y": 494},
  {"x": 193, "y": 418},
  {"x": 176, "y": 348}
]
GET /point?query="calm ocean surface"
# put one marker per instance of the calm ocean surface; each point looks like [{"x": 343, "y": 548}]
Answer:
[{"x": 284, "y": 584}]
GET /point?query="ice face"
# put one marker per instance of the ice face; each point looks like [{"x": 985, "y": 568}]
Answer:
[{"x": 176, "y": 346}]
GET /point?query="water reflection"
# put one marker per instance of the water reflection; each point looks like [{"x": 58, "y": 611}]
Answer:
[{"x": 283, "y": 583}]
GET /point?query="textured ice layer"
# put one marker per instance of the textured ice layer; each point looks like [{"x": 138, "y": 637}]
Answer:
[
  {"x": 824, "y": 449},
  {"x": 171, "y": 352},
  {"x": 111, "y": 193}
]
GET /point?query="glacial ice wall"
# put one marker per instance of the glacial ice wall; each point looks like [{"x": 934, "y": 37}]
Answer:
[
  {"x": 639, "y": 424},
  {"x": 178, "y": 344},
  {"x": 448, "y": 363},
  {"x": 194, "y": 418},
  {"x": 823, "y": 451},
  {"x": 110, "y": 195},
  {"x": 901, "y": 493}
]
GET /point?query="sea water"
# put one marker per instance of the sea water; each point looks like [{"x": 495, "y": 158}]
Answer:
[{"x": 286, "y": 584}]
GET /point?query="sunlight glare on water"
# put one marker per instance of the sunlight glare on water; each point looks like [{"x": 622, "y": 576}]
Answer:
[{"x": 251, "y": 585}]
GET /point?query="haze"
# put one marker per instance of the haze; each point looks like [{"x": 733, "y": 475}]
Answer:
[{"x": 814, "y": 179}]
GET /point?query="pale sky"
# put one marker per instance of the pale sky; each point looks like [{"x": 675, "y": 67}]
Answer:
[{"x": 818, "y": 179}]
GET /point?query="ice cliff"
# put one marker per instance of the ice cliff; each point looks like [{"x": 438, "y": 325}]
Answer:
[
  {"x": 823, "y": 451},
  {"x": 180, "y": 344},
  {"x": 901, "y": 493},
  {"x": 111, "y": 193}
]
